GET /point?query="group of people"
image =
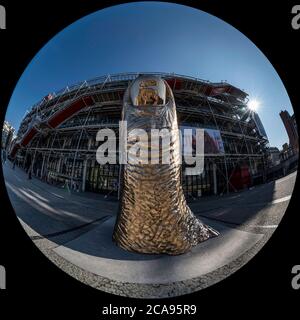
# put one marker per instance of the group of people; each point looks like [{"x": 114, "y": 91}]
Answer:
[{"x": 28, "y": 162}]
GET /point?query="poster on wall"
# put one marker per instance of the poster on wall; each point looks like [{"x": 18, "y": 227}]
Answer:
[{"x": 213, "y": 143}]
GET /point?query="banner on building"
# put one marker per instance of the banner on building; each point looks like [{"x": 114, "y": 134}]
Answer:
[{"x": 213, "y": 143}]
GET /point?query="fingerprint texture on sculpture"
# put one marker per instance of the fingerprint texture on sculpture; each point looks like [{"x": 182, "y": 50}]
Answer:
[{"x": 153, "y": 214}]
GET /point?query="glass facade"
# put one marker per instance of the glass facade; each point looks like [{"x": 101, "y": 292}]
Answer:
[{"x": 102, "y": 178}]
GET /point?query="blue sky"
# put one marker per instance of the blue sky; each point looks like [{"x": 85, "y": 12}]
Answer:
[{"x": 152, "y": 37}]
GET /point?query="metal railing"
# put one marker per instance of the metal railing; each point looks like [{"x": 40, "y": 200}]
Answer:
[
  {"x": 101, "y": 81},
  {"x": 118, "y": 77}
]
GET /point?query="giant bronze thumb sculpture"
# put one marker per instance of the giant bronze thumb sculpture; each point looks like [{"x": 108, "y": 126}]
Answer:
[{"x": 153, "y": 215}]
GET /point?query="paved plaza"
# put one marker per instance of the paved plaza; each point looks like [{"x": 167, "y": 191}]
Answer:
[{"x": 74, "y": 231}]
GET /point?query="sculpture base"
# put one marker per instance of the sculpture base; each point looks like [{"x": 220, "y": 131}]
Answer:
[{"x": 95, "y": 252}]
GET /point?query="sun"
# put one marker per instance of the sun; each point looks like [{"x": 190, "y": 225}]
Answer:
[{"x": 253, "y": 104}]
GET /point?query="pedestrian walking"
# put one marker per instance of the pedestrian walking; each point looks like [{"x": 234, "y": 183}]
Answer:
[
  {"x": 28, "y": 165},
  {"x": 3, "y": 156}
]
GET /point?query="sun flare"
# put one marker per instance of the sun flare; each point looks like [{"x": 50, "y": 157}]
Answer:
[{"x": 254, "y": 104}]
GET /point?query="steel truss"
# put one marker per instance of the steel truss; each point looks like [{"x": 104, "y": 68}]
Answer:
[{"x": 224, "y": 112}]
